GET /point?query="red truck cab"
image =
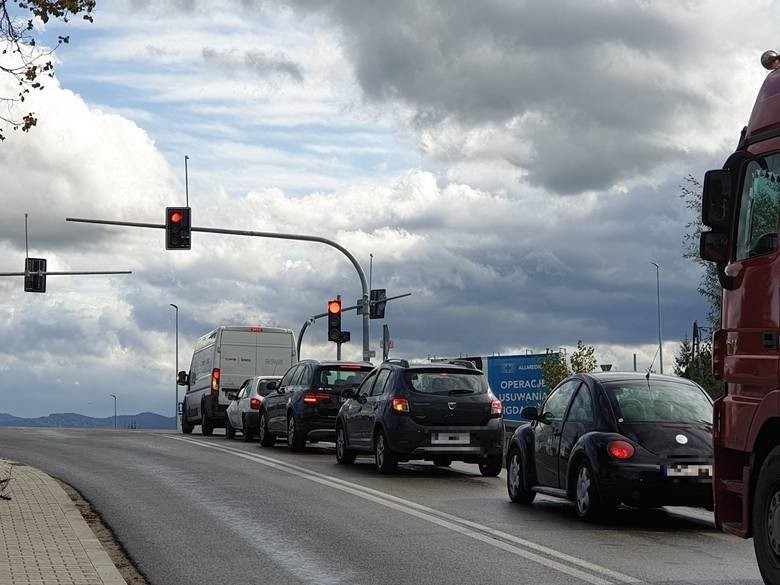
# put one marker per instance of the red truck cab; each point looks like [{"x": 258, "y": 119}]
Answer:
[{"x": 741, "y": 205}]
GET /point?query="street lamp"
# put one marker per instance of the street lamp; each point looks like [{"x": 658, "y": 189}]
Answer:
[
  {"x": 114, "y": 397},
  {"x": 176, "y": 372},
  {"x": 658, "y": 296}
]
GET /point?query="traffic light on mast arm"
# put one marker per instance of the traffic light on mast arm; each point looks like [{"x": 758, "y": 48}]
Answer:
[
  {"x": 334, "y": 320},
  {"x": 33, "y": 280},
  {"x": 177, "y": 228}
]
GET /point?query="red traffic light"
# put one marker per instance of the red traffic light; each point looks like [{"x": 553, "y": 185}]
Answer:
[
  {"x": 176, "y": 217},
  {"x": 334, "y": 307}
]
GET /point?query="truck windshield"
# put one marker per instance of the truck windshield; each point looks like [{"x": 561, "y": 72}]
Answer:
[
  {"x": 758, "y": 208},
  {"x": 659, "y": 401}
]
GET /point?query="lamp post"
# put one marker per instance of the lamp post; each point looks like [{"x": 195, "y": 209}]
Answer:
[
  {"x": 176, "y": 372},
  {"x": 658, "y": 297},
  {"x": 114, "y": 397}
]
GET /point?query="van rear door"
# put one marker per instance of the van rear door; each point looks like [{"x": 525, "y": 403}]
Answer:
[{"x": 238, "y": 358}]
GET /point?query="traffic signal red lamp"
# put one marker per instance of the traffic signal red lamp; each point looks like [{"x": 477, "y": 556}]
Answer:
[
  {"x": 177, "y": 228},
  {"x": 334, "y": 320}
]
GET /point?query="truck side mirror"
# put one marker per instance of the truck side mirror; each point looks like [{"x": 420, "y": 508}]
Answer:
[
  {"x": 182, "y": 379},
  {"x": 714, "y": 247},
  {"x": 716, "y": 200}
]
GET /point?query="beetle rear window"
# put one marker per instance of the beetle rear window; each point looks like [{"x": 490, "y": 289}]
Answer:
[{"x": 659, "y": 401}]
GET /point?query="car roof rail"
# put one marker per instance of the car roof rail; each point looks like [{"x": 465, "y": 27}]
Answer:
[
  {"x": 465, "y": 363},
  {"x": 400, "y": 362}
]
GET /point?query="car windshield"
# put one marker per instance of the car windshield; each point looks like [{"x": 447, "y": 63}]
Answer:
[
  {"x": 341, "y": 377},
  {"x": 659, "y": 401},
  {"x": 446, "y": 382}
]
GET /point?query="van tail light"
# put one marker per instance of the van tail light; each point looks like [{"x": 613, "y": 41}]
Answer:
[
  {"x": 496, "y": 409},
  {"x": 400, "y": 406},
  {"x": 621, "y": 450},
  {"x": 254, "y": 403},
  {"x": 718, "y": 353},
  {"x": 215, "y": 382},
  {"x": 316, "y": 397}
]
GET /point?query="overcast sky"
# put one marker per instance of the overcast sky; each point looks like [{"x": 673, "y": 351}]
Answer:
[{"x": 515, "y": 165}]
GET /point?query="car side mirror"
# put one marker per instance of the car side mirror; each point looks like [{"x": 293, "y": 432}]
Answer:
[
  {"x": 182, "y": 379},
  {"x": 280, "y": 390},
  {"x": 348, "y": 393},
  {"x": 529, "y": 413},
  {"x": 232, "y": 396},
  {"x": 272, "y": 385}
]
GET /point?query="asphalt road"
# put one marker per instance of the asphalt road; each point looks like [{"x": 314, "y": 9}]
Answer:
[{"x": 205, "y": 510}]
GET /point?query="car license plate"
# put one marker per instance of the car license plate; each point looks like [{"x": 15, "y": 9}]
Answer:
[
  {"x": 688, "y": 471},
  {"x": 450, "y": 438}
]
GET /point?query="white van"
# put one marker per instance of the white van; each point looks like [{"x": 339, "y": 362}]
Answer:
[{"x": 221, "y": 361}]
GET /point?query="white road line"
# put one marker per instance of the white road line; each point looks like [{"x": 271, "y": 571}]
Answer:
[{"x": 456, "y": 524}]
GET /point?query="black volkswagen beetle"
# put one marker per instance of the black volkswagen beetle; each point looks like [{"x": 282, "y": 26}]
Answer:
[{"x": 605, "y": 438}]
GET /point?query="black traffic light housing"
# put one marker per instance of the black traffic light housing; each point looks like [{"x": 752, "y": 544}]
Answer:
[
  {"x": 378, "y": 300},
  {"x": 334, "y": 320},
  {"x": 177, "y": 228},
  {"x": 33, "y": 281}
]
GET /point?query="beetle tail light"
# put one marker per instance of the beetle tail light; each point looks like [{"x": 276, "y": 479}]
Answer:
[{"x": 621, "y": 450}]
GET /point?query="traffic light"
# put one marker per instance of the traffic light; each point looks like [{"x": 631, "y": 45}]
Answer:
[
  {"x": 34, "y": 282},
  {"x": 177, "y": 228},
  {"x": 334, "y": 320},
  {"x": 376, "y": 307}
]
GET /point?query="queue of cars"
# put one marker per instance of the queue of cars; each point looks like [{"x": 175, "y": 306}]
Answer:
[{"x": 599, "y": 439}]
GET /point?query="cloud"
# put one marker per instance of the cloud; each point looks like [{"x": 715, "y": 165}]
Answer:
[{"x": 256, "y": 62}]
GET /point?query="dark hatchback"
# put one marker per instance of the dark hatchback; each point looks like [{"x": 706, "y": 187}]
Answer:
[
  {"x": 305, "y": 405},
  {"x": 434, "y": 412},
  {"x": 605, "y": 438}
]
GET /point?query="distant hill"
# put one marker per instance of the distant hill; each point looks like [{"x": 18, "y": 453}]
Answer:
[{"x": 143, "y": 420}]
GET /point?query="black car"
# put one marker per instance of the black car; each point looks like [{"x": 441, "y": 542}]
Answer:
[
  {"x": 305, "y": 405},
  {"x": 434, "y": 412},
  {"x": 605, "y": 438}
]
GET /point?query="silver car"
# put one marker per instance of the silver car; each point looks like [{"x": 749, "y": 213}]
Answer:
[{"x": 242, "y": 412}]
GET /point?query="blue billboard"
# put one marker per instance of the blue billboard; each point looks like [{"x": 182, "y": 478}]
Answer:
[{"x": 517, "y": 382}]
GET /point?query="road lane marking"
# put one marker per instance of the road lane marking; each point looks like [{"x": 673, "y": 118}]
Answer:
[{"x": 491, "y": 536}]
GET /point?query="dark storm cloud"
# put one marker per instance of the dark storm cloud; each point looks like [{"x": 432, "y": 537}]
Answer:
[{"x": 575, "y": 81}]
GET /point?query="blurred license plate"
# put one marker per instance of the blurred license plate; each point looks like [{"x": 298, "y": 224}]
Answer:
[
  {"x": 688, "y": 470},
  {"x": 449, "y": 438}
]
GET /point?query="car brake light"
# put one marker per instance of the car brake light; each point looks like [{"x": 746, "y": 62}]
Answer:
[
  {"x": 256, "y": 329},
  {"x": 254, "y": 403},
  {"x": 312, "y": 398},
  {"x": 621, "y": 450},
  {"x": 496, "y": 409},
  {"x": 400, "y": 405},
  {"x": 351, "y": 367},
  {"x": 215, "y": 381}
]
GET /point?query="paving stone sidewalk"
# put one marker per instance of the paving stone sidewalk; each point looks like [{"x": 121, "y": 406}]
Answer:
[{"x": 43, "y": 538}]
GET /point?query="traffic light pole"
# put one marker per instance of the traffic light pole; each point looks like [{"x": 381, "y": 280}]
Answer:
[{"x": 273, "y": 235}]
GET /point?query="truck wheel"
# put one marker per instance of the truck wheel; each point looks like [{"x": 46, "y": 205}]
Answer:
[
  {"x": 491, "y": 466},
  {"x": 296, "y": 438},
  {"x": 515, "y": 479},
  {"x": 267, "y": 439},
  {"x": 766, "y": 519},
  {"x": 186, "y": 427},
  {"x": 230, "y": 432},
  {"x": 206, "y": 428}
]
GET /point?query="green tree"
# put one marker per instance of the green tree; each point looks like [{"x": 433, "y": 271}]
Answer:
[
  {"x": 20, "y": 56},
  {"x": 555, "y": 368}
]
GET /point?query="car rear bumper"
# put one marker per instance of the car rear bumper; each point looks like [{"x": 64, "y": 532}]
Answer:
[
  {"x": 318, "y": 425},
  {"x": 647, "y": 485},
  {"x": 410, "y": 440}
]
